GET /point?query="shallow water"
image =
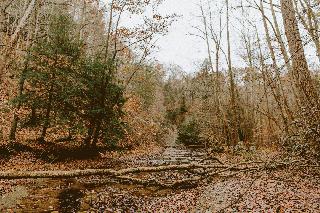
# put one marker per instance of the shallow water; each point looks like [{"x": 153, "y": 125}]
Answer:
[{"x": 101, "y": 193}]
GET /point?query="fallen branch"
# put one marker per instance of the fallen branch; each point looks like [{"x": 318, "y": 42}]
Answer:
[
  {"x": 213, "y": 158},
  {"x": 238, "y": 199},
  {"x": 54, "y": 174},
  {"x": 154, "y": 182}
]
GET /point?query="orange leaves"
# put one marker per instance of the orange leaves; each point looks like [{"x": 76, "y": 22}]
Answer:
[
  {"x": 61, "y": 61},
  {"x": 133, "y": 105},
  {"x": 143, "y": 128},
  {"x": 157, "y": 17},
  {"x": 124, "y": 32}
]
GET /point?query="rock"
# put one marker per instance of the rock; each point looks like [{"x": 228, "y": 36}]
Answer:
[
  {"x": 240, "y": 147},
  {"x": 252, "y": 149},
  {"x": 21, "y": 206},
  {"x": 11, "y": 199}
]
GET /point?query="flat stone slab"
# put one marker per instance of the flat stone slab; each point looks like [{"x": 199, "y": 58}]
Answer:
[{"x": 11, "y": 199}]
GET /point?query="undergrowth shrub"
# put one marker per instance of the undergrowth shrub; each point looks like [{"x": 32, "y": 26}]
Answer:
[
  {"x": 304, "y": 138},
  {"x": 189, "y": 133}
]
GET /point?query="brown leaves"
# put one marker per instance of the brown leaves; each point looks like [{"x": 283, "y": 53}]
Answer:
[{"x": 143, "y": 127}]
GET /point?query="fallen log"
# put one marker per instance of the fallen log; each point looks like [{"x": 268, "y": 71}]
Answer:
[
  {"x": 199, "y": 172},
  {"x": 54, "y": 174},
  {"x": 99, "y": 172}
]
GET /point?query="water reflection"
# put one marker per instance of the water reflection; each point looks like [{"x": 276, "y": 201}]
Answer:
[{"x": 70, "y": 200}]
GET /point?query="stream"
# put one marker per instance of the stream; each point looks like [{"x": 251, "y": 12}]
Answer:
[
  {"x": 175, "y": 153},
  {"x": 53, "y": 195}
]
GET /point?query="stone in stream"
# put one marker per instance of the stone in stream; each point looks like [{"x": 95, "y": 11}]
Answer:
[{"x": 11, "y": 199}]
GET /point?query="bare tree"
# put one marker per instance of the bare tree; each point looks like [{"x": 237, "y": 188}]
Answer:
[
  {"x": 307, "y": 94},
  {"x": 206, "y": 34},
  {"x": 309, "y": 20},
  {"x": 233, "y": 105},
  {"x": 279, "y": 36}
]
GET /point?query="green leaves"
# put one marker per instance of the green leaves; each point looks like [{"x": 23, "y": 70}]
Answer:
[
  {"x": 189, "y": 133},
  {"x": 66, "y": 87}
]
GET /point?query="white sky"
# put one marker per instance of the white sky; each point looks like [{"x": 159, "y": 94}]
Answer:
[
  {"x": 187, "y": 51},
  {"x": 179, "y": 47}
]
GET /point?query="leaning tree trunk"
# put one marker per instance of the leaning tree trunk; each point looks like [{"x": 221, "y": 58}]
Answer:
[
  {"x": 310, "y": 23},
  {"x": 23, "y": 21},
  {"x": 308, "y": 96},
  {"x": 276, "y": 85},
  {"x": 279, "y": 38}
]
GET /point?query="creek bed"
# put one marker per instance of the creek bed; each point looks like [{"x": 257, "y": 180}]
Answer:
[{"x": 99, "y": 194}]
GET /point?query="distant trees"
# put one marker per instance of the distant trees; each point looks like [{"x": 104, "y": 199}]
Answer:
[
  {"x": 274, "y": 97},
  {"x": 221, "y": 100}
]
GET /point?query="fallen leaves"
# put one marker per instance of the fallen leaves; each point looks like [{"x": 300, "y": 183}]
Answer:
[{"x": 287, "y": 189}]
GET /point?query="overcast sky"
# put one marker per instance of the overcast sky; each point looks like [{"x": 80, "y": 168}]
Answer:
[
  {"x": 179, "y": 47},
  {"x": 187, "y": 51}
]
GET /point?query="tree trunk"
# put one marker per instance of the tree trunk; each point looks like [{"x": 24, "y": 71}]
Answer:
[
  {"x": 308, "y": 95},
  {"x": 96, "y": 134},
  {"x": 87, "y": 140},
  {"x": 310, "y": 23},
  {"x": 22, "y": 21},
  {"x": 262, "y": 65},
  {"x": 89, "y": 172},
  {"x": 109, "y": 31},
  {"x": 276, "y": 85},
  {"x": 15, "y": 120},
  {"x": 234, "y": 122},
  {"x": 47, "y": 117},
  {"x": 279, "y": 38},
  {"x": 204, "y": 19}
]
